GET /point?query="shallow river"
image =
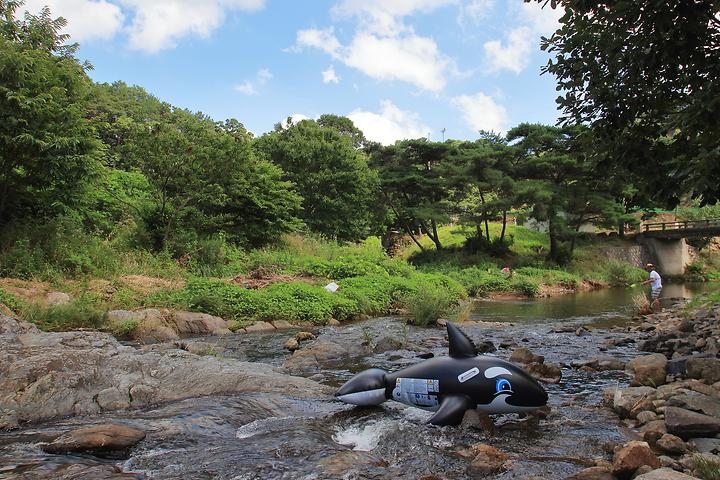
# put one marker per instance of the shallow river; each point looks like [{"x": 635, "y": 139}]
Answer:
[{"x": 278, "y": 437}]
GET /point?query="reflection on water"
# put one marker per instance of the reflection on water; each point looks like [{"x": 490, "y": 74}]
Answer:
[{"x": 596, "y": 305}]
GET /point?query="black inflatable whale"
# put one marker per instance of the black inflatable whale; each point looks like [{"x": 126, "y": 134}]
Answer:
[{"x": 450, "y": 385}]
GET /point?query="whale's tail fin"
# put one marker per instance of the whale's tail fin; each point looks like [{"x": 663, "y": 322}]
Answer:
[{"x": 365, "y": 389}]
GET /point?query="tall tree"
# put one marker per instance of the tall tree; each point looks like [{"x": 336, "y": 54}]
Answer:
[
  {"x": 415, "y": 183},
  {"x": 645, "y": 74},
  {"x": 338, "y": 188},
  {"x": 47, "y": 149}
]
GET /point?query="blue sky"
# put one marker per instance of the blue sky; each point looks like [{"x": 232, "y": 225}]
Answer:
[{"x": 398, "y": 68}]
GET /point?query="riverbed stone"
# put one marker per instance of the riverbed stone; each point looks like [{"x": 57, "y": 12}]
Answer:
[
  {"x": 106, "y": 440},
  {"x": 256, "y": 327},
  {"x": 544, "y": 372},
  {"x": 525, "y": 356},
  {"x": 486, "y": 460},
  {"x": 665, "y": 474},
  {"x": 150, "y": 324},
  {"x": 707, "y": 369},
  {"x": 687, "y": 424},
  {"x": 706, "y": 445},
  {"x": 282, "y": 325},
  {"x": 696, "y": 402},
  {"x": 322, "y": 353},
  {"x": 631, "y": 456},
  {"x": 593, "y": 473},
  {"x": 649, "y": 370},
  {"x": 303, "y": 336},
  {"x": 48, "y": 375},
  {"x": 628, "y": 402},
  {"x": 646, "y": 416},
  {"x": 671, "y": 444},
  {"x": 387, "y": 343},
  {"x": 292, "y": 344}
]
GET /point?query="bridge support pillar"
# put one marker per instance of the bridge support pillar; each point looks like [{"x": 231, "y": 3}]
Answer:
[{"x": 672, "y": 255}]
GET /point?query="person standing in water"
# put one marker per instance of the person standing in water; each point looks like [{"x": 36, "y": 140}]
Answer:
[{"x": 655, "y": 282}]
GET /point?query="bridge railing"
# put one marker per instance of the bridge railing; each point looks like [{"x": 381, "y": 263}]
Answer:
[{"x": 682, "y": 225}]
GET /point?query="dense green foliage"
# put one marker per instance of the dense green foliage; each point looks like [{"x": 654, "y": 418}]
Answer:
[{"x": 645, "y": 75}]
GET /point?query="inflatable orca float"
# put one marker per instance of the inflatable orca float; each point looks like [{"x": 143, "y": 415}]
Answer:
[{"x": 450, "y": 385}]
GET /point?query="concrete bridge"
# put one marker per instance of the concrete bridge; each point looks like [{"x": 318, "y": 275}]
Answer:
[{"x": 666, "y": 242}]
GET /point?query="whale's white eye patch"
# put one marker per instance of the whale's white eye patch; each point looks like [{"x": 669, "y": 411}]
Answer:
[{"x": 493, "y": 372}]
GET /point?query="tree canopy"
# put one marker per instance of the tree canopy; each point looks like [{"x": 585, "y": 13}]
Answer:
[{"x": 645, "y": 74}]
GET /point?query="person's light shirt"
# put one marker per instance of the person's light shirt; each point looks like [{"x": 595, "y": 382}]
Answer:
[{"x": 656, "y": 280}]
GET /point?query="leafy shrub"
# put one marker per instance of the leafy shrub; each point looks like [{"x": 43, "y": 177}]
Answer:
[
  {"x": 9, "y": 300},
  {"x": 427, "y": 304},
  {"x": 80, "y": 313},
  {"x": 496, "y": 247},
  {"x": 551, "y": 276},
  {"x": 478, "y": 281},
  {"x": 125, "y": 328},
  {"x": 524, "y": 286},
  {"x": 621, "y": 273}
]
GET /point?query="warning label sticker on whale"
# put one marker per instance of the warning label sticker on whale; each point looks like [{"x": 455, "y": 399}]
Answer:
[{"x": 421, "y": 392}]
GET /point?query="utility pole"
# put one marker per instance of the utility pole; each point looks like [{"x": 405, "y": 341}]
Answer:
[{"x": 443, "y": 133}]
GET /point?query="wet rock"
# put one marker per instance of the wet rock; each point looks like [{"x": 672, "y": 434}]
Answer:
[
  {"x": 593, "y": 473},
  {"x": 696, "y": 402},
  {"x": 282, "y": 325},
  {"x": 632, "y": 456},
  {"x": 653, "y": 431},
  {"x": 260, "y": 327},
  {"x": 664, "y": 474},
  {"x": 56, "y": 299},
  {"x": 425, "y": 355},
  {"x": 333, "y": 322},
  {"x": 649, "y": 370},
  {"x": 486, "y": 460},
  {"x": 545, "y": 372},
  {"x": 486, "y": 347},
  {"x": 200, "y": 348},
  {"x": 385, "y": 344},
  {"x": 302, "y": 336},
  {"x": 687, "y": 424},
  {"x": 322, "y": 353},
  {"x": 671, "y": 444},
  {"x": 707, "y": 369},
  {"x": 582, "y": 332},
  {"x": 646, "y": 416},
  {"x": 628, "y": 402},
  {"x": 86, "y": 472},
  {"x": 292, "y": 344},
  {"x": 107, "y": 440},
  {"x": 47, "y": 375},
  {"x": 525, "y": 356}
]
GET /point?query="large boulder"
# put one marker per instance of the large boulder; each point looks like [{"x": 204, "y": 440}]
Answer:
[
  {"x": 107, "y": 440},
  {"x": 707, "y": 369},
  {"x": 148, "y": 324},
  {"x": 48, "y": 375},
  {"x": 323, "y": 353},
  {"x": 696, "y": 402},
  {"x": 687, "y": 424},
  {"x": 632, "y": 456},
  {"x": 193, "y": 323},
  {"x": 649, "y": 370}
]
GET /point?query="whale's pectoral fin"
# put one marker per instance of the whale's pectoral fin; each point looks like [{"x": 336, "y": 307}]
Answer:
[
  {"x": 451, "y": 411},
  {"x": 365, "y": 389}
]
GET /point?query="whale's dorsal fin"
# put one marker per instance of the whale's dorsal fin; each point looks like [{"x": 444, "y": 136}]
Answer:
[{"x": 460, "y": 344}]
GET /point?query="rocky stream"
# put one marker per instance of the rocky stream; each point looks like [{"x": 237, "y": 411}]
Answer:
[{"x": 629, "y": 398}]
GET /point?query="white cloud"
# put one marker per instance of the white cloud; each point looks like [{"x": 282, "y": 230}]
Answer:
[
  {"x": 475, "y": 11},
  {"x": 323, "y": 39},
  {"x": 543, "y": 21},
  {"x": 407, "y": 57},
  {"x": 390, "y": 124},
  {"x": 383, "y": 46},
  {"x": 480, "y": 112},
  {"x": 514, "y": 55},
  {"x": 250, "y": 87},
  {"x": 329, "y": 75},
  {"x": 155, "y": 24},
  {"x": 514, "y": 52},
  {"x": 87, "y": 19}
]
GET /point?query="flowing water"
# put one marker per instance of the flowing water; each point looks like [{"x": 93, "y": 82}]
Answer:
[{"x": 278, "y": 437}]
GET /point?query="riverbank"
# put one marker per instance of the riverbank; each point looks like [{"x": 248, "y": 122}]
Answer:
[{"x": 285, "y": 284}]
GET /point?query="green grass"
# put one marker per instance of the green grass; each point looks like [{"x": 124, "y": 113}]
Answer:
[{"x": 705, "y": 468}]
